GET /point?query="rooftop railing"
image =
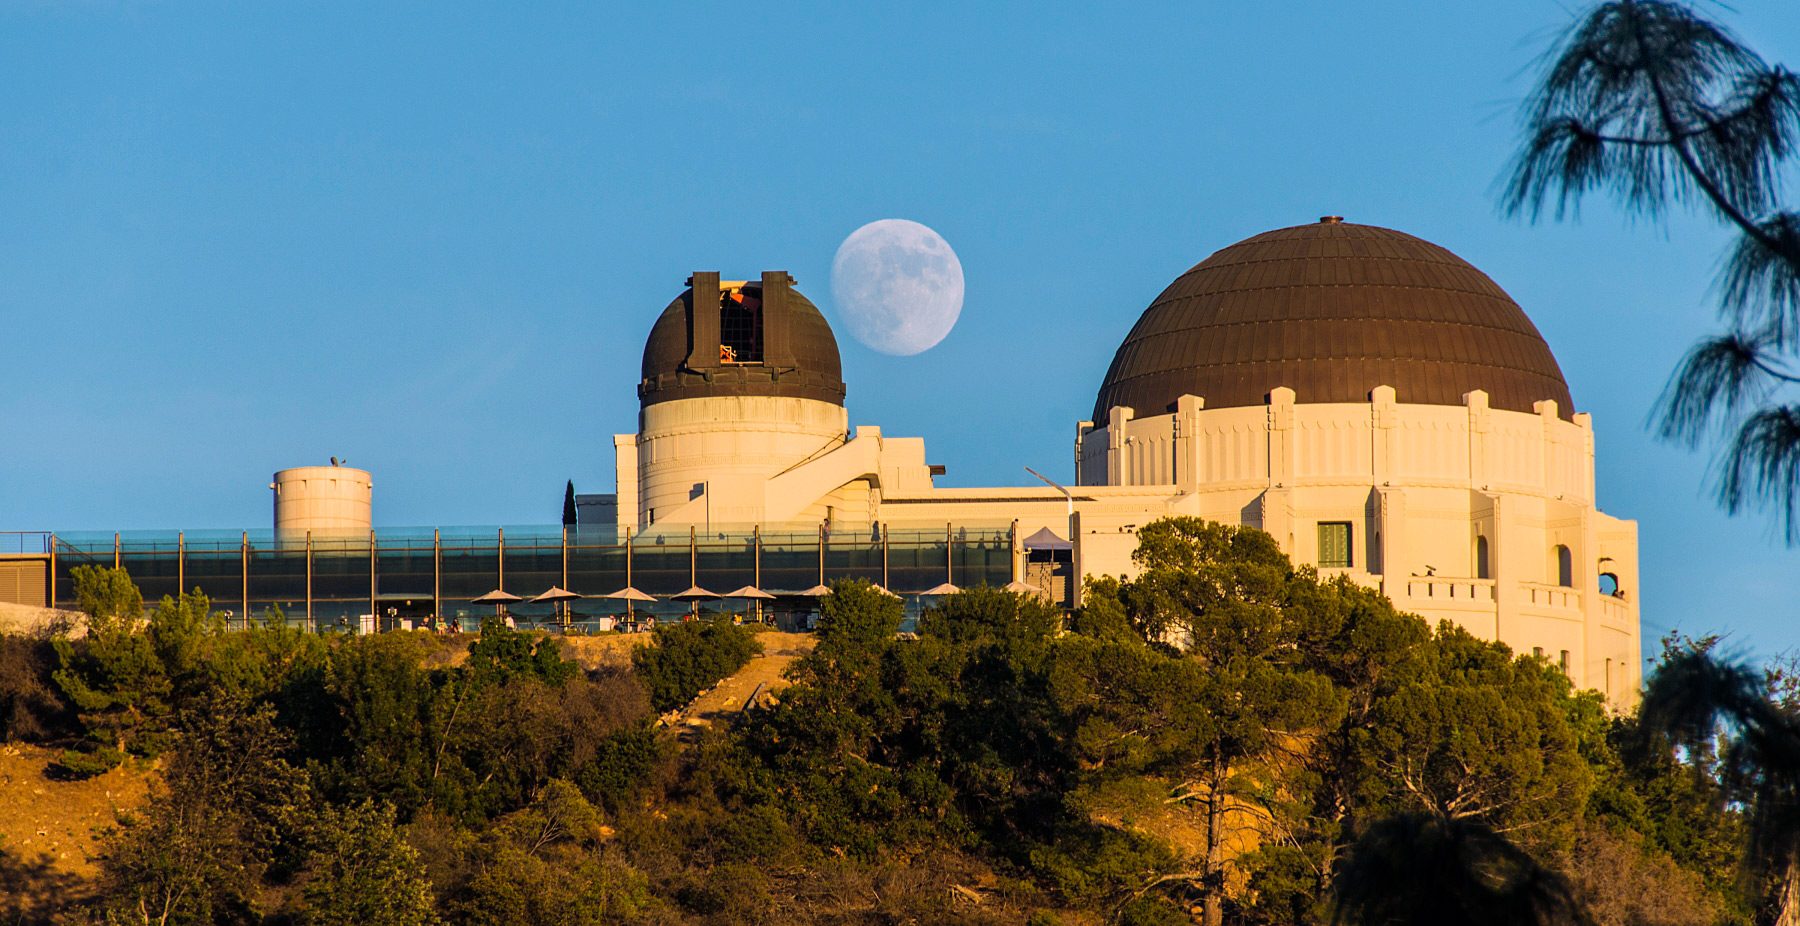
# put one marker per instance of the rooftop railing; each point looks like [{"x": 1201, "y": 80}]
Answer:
[
  {"x": 16, "y": 542},
  {"x": 414, "y": 572}
]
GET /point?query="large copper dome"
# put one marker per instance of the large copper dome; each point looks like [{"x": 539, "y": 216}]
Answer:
[
  {"x": 785, "y": 347},
  {"x": 1332, "y": 310}
]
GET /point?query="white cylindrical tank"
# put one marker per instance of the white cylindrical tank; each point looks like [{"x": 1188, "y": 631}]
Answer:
[{"x": 322, "y": 499}]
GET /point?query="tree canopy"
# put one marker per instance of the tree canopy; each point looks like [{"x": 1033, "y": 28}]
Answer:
[
  {"x": 1659, "y": 105},
  {"x": 1221, "y": 736}
]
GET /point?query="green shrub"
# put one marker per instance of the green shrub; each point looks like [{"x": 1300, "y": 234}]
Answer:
[
  {"x": 77, "y": 763},
  {"x": 622, "y": 762},
  {"x": 689, "y": 657}
]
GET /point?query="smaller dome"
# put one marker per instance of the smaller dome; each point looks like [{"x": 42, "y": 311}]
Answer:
[{"x": 760, "y": 338}]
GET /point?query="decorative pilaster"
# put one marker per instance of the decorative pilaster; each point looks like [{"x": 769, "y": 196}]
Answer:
[{"x": 1187, "y": 443}]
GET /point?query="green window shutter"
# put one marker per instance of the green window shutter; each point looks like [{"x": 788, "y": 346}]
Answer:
[{"x": 1334, "y": 544}]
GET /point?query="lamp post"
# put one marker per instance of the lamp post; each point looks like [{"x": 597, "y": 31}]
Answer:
[{"x": 1066, "y": 496}]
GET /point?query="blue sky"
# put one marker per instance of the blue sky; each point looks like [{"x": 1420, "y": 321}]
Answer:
[{"x": 431, "y": 237}]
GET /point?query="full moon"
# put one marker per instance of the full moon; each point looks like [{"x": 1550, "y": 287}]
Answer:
[{"x": 899, "y": 285}]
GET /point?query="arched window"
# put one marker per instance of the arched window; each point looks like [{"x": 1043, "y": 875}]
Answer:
[
  {"x": 1565, "y": 567},
  {"x": 1482, "y": 570},
  {"x": 1609, "y": 584}
]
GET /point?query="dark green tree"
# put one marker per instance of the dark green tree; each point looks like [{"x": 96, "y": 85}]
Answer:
[
  {"x": 1424, "y": 869},
  {"x": 979, "y": 693},
  {"x": 374, "y": 722},
  {"x": 503, "y": 654},
  {"x": 262, "y": 661},
  {"x": 547, "y": 865},
  {"x": 1658, "y": 105},
  {"x": 128, "y": 677},
  {"x": 1353, "y": 636},
  {"x": 106, "y": 595},
  {"x": 1470, "y": 732},
  {"x": 1220, "y": 594},
  {"x": 1703, "y": 705},
  {"x": 229, "y": 808},
  {"x": 363, "y": 873},
  {"x": 686, "y": 658},
  {"x": 849, "y": 752},
  {"x": 569, "y": 514}
]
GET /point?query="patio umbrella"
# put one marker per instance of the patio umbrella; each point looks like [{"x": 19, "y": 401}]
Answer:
[
  {"x": 497, "y": 598},
  {"x": 1022, "y": 588},
  {"x": 942, "y": 588},
  {"x": 695, "y": 594},
  {"x": 558, "y": 597},
  {"x": 884, "y": 591},
  {"x": 816, "y": 591},
  {"x": 754, "y": 594},
  {"x": 629, "y": 595}
]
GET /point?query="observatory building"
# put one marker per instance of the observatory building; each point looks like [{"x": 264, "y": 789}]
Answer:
[
  {"x": 1370, "y": 399},
  {"x": 1377, "y": 404}
]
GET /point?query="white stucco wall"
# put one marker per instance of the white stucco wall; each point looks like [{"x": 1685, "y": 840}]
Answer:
[{"x": 1419, "y": 485}]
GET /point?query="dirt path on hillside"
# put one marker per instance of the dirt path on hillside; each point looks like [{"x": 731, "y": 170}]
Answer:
[{"x": 757, "y": 680}]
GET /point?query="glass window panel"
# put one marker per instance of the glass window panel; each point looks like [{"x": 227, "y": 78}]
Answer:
[
  {"x": 403, "y": 568},
  {"x": 533, "y": 567},
  {"x": 915, "y": 565},
  {"x": 980, "y": 561},
  {"x": 790, "y": 564},
  {"x": 852, "y": 558},
  {"x": 341, "y": 573},
  {"x": 278, "y": 574},
  {"x": 470, "y": 570},
  {"x": 219, "y": 576},
  {"x": 596, "y": 570},
  {"x": 727, "y": 566},
  {"x": 660, "y": 568},
  {"x": 155, "y": 573}
]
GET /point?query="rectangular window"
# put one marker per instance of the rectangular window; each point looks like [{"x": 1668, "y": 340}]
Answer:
[
  {"x": 1334, "y": 543},
  {"x": 740, "y": 326},
  {"x": 1563, "y": 661}
]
